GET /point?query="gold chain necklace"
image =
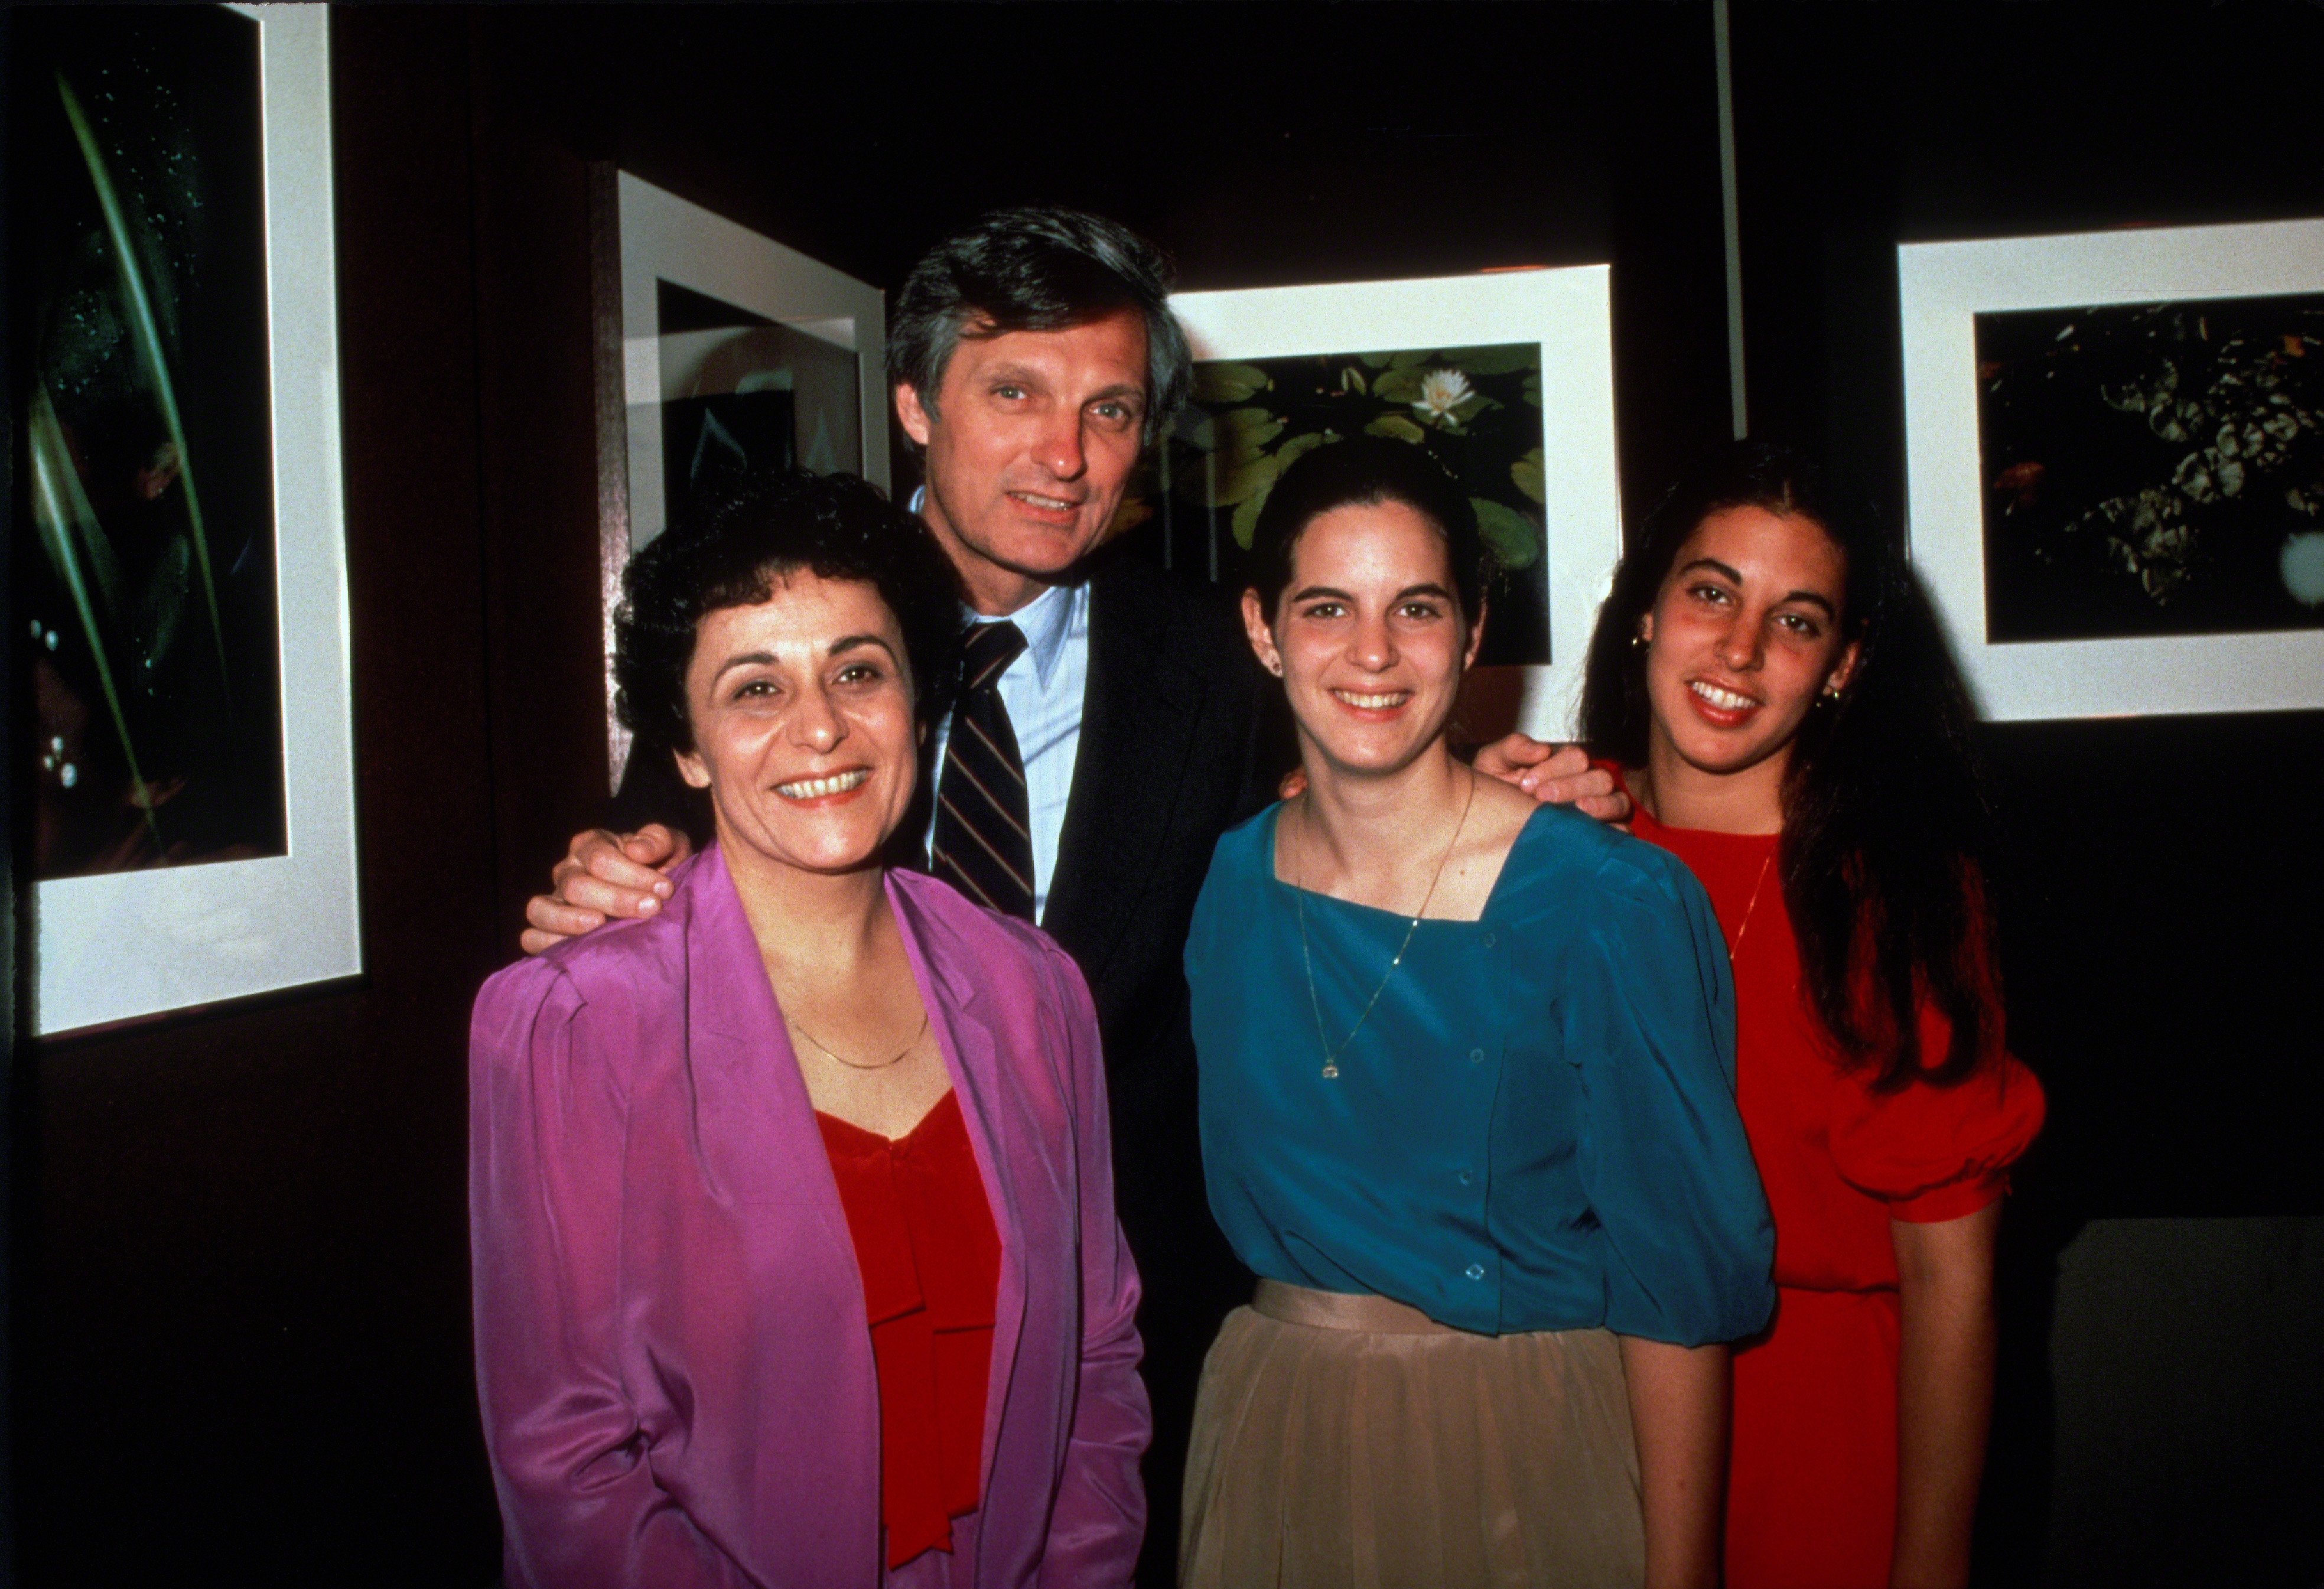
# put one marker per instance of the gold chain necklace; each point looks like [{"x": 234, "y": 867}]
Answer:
[
  {"x": 854, "y": 1065},
  {"x": 1308, "y": 955},
  {"x": 1743, "y": 927}
]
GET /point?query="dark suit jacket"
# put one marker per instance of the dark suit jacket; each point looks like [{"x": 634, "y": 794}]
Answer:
[{"x": 1175, "y": 749}]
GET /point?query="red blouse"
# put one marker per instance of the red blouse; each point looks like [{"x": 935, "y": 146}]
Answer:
[
  {"x": 931, "y": 1262},
  {"x": 1840, "y": 1161},
  {"x": 1813, "y": 1459}
]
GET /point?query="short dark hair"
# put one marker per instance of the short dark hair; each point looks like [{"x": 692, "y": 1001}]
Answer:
[
  {"x": 1039, "y": 269},
  {"x": 1368, "y": 471},
  {"x": 729, "y": 548}
]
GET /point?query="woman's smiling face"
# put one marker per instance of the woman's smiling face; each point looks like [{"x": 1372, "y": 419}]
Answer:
[
  {"x": 1745, "y": 633},
  {"x": 801, "y": 709},
  {"x": 1369, "y": 635}
]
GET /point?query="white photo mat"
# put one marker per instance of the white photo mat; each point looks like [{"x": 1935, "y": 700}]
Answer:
[
  {"x": 1568, "y": 312},
  {"x": 666, "y": 239},
  {"x": 126, "y": 943},
  {"x": 1943, "y": 286}
]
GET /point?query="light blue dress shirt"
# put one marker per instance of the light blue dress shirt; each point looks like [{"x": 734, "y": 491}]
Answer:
[
  {"x": 1042, "y": 690},
  {"x": 1536, "y": 1129}
]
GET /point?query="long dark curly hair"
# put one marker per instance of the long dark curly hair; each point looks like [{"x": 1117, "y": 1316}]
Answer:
[{"x": 1886, "y": 839}]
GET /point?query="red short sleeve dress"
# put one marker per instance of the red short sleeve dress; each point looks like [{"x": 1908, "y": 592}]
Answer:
[{"x": 1812, "y": 1487}]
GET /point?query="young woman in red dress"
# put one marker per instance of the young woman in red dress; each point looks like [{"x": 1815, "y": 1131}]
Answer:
[{"x": 1773, "y": 686}]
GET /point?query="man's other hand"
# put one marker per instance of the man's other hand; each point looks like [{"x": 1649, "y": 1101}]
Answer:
[
  {"x": 603, "y": 876},
  {"x": 1555, "y": 775}
]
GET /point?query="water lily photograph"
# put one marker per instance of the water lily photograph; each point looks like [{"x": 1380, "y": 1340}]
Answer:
[
  {"x": 2153, "y": 469},
  {"x": 1476, "y": 410}
]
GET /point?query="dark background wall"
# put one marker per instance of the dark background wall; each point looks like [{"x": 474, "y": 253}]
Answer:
[
  {"x": 2161, "y": 1388},
  {"x": 240, "y": 1303}
]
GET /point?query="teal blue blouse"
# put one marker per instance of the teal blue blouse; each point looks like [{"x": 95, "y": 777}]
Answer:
[{"x": 1534, "y": 1128}]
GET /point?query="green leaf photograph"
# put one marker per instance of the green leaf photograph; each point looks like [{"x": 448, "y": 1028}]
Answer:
[
  {"x": 2154, "y": 469},
  {"x": 145, "y": 513},
  {"x": 1476, "y": 410}
]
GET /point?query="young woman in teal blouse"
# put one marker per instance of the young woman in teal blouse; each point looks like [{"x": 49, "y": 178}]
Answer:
[{"x": 1467, "y": 1109}]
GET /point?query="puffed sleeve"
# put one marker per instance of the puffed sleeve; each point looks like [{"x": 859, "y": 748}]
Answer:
[
  {"x": 1650, "y": 1023},
  {"x": 1100, "y": 1518},
  {"x": 1935, "y": 1153},
  {"x": 579, "y": 1503}
]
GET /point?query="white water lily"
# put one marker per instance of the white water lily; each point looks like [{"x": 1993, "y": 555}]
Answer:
[{"x": 1442, "y": 392}]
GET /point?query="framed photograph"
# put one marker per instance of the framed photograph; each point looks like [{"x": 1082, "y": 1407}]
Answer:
[
  {"x": 718, "y": 350},
  {"x": 182, "y": 561},
  {"x": 1506, "y": 378},
  {"x": 2116, "y": 443}
]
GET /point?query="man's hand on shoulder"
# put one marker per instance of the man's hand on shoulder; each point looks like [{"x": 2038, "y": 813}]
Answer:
[
  {"x": 603, "y": 876},
  {"x": 1555, "y": 775}
]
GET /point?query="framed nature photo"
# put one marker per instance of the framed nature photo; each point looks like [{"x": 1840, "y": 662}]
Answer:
[
  {"x": 1505, "y": 378},
  {"x": 2117, "y": 452},
  {"x": 178, "y": 510}
]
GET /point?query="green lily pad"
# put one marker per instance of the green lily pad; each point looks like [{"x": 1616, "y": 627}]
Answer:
[
  {"x": 1241, "y": 483},
  {"x": 1228, "y": 382},
  {"x": 1396, "y": 427},
  {"x": 1399, "y": 385},
  {"x": 1243, "y": 433},
  {"x": 1525, "y": 474},
  {"x": 1244, "y": 525},
  {"x": 1512, "y": 538},
  {"x": 1299, "y": 446},
  {"x": 1196, "y": 429}
]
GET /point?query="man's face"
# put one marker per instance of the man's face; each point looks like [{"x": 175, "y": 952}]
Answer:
[{"x": 1031, "y": 444}]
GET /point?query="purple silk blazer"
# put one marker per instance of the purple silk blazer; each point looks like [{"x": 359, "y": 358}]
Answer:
[{"x": 671, "y": 1347}]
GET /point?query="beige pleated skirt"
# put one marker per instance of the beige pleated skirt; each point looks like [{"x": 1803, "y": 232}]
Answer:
[{"x": 1353, "y": 1443}]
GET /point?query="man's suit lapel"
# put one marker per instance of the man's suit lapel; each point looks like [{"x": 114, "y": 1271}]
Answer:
[{"x": 1140, "y": 711}]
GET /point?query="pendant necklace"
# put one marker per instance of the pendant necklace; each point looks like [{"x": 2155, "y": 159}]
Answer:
[
  {"x": 857, "y": 1064},
  {"x": 1299, "y": 900},
  {"x": 1744, "y": 925}
]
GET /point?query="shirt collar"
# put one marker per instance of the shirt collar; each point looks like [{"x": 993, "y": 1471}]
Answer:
[{"x": 1046, "y": 623}]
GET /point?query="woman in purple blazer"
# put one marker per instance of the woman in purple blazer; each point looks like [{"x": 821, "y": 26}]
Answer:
[{"x": 792, "y": 1212}]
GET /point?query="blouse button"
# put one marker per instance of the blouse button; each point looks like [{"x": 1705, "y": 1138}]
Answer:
[
  {"x": 1476, "y": 1271},
  {"x": 1476, "y": 1055},
  {"x": 1489, "y": 940},
  {"x": 1466, "y": 1177}
]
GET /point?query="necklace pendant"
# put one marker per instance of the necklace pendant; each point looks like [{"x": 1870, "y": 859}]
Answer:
[{"x": 1331, "y": 1071}]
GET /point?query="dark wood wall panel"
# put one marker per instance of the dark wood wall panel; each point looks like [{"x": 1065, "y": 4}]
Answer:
[
  {"x": 1261, "y": 144},
  {"x": 535, "y": 450},
  {"x": 2162, "y": 890},
  {"x": 2162, "y": 876},
  {"x": 245, "y": 1349}
]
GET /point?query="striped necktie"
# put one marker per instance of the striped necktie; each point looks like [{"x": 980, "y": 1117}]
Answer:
[{"x": 983, "y": 836}]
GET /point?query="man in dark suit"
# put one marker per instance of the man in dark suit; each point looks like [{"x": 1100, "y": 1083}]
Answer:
[{"x": 1032, "y": 358}]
